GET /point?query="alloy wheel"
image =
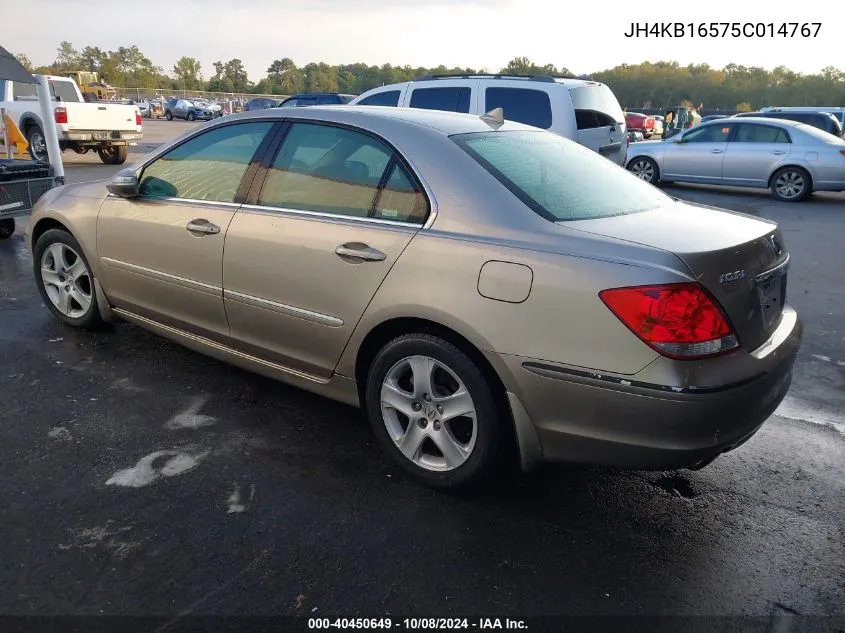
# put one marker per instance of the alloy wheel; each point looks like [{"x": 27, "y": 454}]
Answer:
[
  {"x": 429, "y": 413},
  {"x": 643, "y": 169},
  {"x": 790, "y": 184},
  {"x": 66, "y": 280}
]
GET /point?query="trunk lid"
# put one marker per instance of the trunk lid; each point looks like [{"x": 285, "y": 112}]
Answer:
[
  {"x": 100, "y": 116},
  {"x": 739, "y": 259}
]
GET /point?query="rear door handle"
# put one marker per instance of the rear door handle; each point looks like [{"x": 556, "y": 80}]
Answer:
[
  {"x": 779, "y": 152},
  {"x": 717, "y": 151},
  {"x": 358, "y": 250},
  {"x": 201, "y": 225}
]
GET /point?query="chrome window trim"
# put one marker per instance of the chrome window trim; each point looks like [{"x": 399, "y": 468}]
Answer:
[
  {"x": 268, "y": 210},
  {"x": 283, "y": 308}
]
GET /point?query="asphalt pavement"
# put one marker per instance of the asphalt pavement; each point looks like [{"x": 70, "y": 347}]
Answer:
[{"x": 140, "y": 478}]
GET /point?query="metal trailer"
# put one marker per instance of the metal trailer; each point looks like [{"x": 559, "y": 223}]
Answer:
[{"x": 23, "y": 182}]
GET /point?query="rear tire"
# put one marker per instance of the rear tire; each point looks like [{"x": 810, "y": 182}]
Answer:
[
  {"x": 791, "y": 184},
  {"x": 645, "y": 168},
  {"x": 65, "y": 280},
  {"x": 7, "y": 228},
  {"x": 425, "y": 376},
  {"x": 37, "y": 143},
  {"x": 114, "y": 154}
]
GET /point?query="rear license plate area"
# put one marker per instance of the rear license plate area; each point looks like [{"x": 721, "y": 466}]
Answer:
[
  {"x": 772, "y": 293},
  {"x": 101, "y": 136}
]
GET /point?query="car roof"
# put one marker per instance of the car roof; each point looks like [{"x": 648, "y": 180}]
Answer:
[
  {"x": 446, "y": 123},
  {"x": 767, "y": 120}
]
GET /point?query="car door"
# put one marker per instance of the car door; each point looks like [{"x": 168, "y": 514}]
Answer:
[
  {"x": 697, "y": 155},
  {"x": 753, "y": 152},
  {"x": 325, "y": 222},
  {"x": 457, "y": 96},
  {"x": 162, "y": 251}
]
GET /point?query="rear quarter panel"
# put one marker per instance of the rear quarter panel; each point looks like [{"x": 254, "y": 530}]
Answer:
[{"x": 562, "y": 320}]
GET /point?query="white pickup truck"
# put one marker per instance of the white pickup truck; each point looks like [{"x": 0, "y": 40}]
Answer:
[{"x": 106, "y": 128}]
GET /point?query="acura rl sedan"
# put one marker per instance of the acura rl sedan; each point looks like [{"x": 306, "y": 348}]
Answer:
[
  {"x": 791, "y": 159},
  {"x": 483, "y": 290}
]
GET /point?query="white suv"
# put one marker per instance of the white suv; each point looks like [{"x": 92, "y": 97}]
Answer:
[{"x": 581, "y": 110}]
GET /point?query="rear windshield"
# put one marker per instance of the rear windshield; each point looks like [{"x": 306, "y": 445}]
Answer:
[
  {"x": 598, "y": 99},
  {"x": 557, "y": 178}
]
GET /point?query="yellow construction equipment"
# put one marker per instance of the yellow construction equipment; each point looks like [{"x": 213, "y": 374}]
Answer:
[{"x": 90, "y": 84}]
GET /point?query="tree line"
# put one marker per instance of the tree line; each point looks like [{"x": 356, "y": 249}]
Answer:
[{"x": 645, "y": 85}]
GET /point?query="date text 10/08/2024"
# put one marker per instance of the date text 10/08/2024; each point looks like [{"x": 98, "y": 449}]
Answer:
[
  {"x": 724, "y": 29},
  {"x": 418, "y": 624}
]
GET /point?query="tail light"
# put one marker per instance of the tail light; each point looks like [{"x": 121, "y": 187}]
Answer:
[
  {"x": 60, "y": 114},
  {"x": 842, "y": 151},
  {"x": 680, "y": 320},
  {"x": 138, "y": 117}
]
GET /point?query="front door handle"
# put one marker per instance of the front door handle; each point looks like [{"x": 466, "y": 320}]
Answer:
[
  {"x": 201, "y": 225},
  {"x": 717, "y": 151},
  {"x": 779, "y": 152},
  {"x": 358, "y": 250}
]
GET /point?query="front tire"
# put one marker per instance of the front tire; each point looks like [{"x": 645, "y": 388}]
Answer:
[
  {"x": 37, "y": 143},
  {"x": 113, "y": 154},
  {"x": 434, "y": 412},
  {"x": 791, "y": 184},
  {"x": 645, "y": 168},
  {"x": 65, "y": 280},
  {"x": 168, "y": 115},
  {"x": 191, "y": 116},
  {"x": 7, "y": 228}
]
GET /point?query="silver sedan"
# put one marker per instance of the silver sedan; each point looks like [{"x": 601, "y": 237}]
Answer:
[{"x": 792, "y": 159}]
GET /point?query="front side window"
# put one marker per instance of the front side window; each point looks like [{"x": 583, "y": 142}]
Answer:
[
  {"x": 449, "y": 99},
  {"x": 557, "y": 178},
  {"x": 715, "y": 133},
  {"x": 330, "y": 169},
  {"x": 388, "y": 98},
  {"x": 531, "y": 107},
  {"x": 751, "y": 133},
  {"x": 207, "y": 167}
]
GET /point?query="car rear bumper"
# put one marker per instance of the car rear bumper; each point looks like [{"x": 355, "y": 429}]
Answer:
[{"x": 586, "y": 417}]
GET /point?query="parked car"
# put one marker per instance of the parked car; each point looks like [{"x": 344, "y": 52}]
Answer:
[
  {"x": 188, "y": 110},
  {"x": 262, "y": 103},
  {"x": 713, "y": 117},
  {"x": 437, "y": 248},
  {"x": 640, "y": 122},
  {"x": 836, "y": 111},
  {"x": 584, "y": 111},
  {"x": 790, "y": 158},
  {"x": 635, "y": 136},
  {"x": 103, "y": 127},
  {"x": 316, "y": 98},
  {"x": 215, "y": 108},
  {"x": 821, "y": 120}
]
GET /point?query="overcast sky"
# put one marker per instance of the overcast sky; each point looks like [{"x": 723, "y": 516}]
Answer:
[{"x": 583, "y": 36}]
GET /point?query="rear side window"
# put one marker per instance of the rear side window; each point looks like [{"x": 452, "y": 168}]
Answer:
[
  {"x": 751, "y": 133},
  {"x": 207, "y": 167},
  {"x": 595, "y": 106},
  {"x": 23, "y": 91},
  {"x": 454, "y": 99},
  {"x": 389, "y": 98},
  {"x": 557, "y": 178},
  {"x": 401, "y": 199},
  {"x": 531, "y": 107},
  {"x": 326, "y": 169}
]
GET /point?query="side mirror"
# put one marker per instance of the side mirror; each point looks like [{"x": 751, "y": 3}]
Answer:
[{"x": 124, "y": 184}]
